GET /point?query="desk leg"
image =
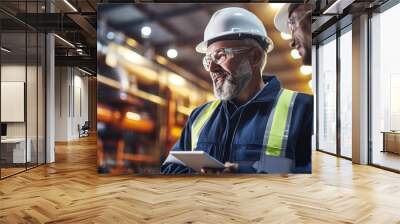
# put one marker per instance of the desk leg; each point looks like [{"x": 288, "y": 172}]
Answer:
[{"x": 384, "y": 142}]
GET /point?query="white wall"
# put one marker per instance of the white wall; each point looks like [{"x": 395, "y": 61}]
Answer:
[
  {"x": 71, "y": 102},
  {"x": 346, "y": 75},
  {"x": 61, "y": 103}
]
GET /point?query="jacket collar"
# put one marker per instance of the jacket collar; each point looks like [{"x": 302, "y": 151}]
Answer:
[
  {"x": 267, "y": 94},
  {"x": 269, "y": 91}
]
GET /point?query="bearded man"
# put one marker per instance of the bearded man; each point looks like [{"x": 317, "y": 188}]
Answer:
[{"x": 254, "y": 126}]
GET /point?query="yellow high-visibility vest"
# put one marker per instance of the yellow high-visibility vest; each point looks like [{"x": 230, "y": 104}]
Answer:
[
  {"x": 276, "y": 131},
  {"x": 201, "y": 121},
  {"x": 278, "y": 125}
]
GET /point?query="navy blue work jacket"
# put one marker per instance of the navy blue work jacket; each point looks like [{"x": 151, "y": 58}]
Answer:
[{"x": 235, "y": 134}]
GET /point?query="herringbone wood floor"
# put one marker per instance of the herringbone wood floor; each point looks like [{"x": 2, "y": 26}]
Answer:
[{"x": 70, "y": 191}]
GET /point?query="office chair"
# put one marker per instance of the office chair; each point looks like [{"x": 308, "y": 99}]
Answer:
[{"x": 84, "y": 130}]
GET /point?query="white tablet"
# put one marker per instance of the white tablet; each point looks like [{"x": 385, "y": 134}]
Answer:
[{"x": 197, "y": 159}]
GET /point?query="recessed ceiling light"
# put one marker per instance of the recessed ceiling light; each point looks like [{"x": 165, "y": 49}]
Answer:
[
  {"x": 306, "y": 69},
  {"x": 146, "y": 31},
  {"x": 172, "y": 53},
  {"x": 286, "y": 36},
  {"x": 110, "y": 35},
  {"x": 295, "y": 54}
]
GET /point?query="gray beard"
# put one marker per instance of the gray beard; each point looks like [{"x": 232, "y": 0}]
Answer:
[{"x": 235, "y": 83}]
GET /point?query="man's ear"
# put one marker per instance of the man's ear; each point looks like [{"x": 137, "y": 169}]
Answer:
[{"x": 255, "y": 57}]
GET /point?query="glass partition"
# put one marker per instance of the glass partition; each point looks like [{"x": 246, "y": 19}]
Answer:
[
  {"x": 13, "y": 94},
  {"x": 385, "y": 89},
  {"x": 22, "y": 90},
  {"x": 327, "y": 96}
]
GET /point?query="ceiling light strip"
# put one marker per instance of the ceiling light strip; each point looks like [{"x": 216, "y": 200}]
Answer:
[
  {"x": 70, "y": 5},
  {"x": 64, "y": 40},
  {"x": 5, "y": 49}
]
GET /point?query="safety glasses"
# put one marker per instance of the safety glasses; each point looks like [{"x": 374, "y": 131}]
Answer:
[
  {"x": 293, "y": 22},
  {"x": 221, "y": 55}
]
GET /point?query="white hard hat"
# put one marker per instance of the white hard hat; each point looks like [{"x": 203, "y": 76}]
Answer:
[
  {"x": 281, "y": 19},
  {"x": 234, "y": 22}
]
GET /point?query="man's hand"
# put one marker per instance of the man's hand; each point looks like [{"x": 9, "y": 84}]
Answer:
[{"x": 229, "y": 168}]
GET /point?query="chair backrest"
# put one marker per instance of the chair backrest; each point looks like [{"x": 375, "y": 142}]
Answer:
[{"x": 86, "y": 125}]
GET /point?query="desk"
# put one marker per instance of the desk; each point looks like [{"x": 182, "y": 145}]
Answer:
[
  {"x": 391, "y": 141},
  {"x": 16, "y": 147}
]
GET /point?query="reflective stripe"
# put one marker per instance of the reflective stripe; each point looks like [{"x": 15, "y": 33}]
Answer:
[
  {"x": 201, "y": 120},
  {"x": 278, "y": 125},
  {"x": 288, "y": 121}
]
